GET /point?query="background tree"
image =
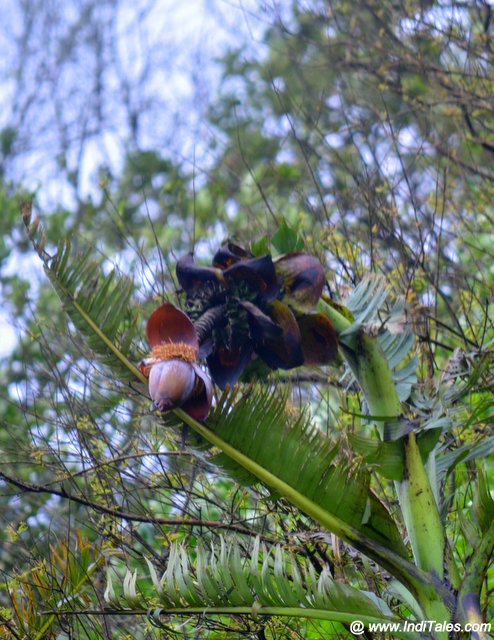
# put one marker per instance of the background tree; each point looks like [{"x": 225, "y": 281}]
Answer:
[{"x": 368, "y": 129}]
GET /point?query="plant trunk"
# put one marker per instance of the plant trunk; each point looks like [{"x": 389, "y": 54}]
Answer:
[{"x": 419, "y": 508}]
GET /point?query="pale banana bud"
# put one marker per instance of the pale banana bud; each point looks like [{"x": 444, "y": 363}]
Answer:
[{"x": 171, "y": 383}]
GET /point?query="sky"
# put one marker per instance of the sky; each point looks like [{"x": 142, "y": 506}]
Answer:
[
  {"x": 156, "y": 57},
  {"x": 72, "y": 73}
]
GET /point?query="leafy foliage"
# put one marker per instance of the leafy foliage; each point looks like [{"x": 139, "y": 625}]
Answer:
[
  {"x": 261, "y": 425},
  {"x": 393, "y": 328},
  {"x": 101, "y": 306},
  {"x": 366, "y": 135},
  {"x": 270, "y": 577}
]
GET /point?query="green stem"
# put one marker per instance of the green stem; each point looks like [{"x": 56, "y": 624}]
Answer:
[
  {"x": 255, "y": 612},
  {"x": 419, "y": 508},
  {"x": 365, "y": 358},
  {"x": 102, "y": 336},
  {"x": 416, "y": 580},
  {"x": 420, "y": 512},
  {"x": 469, "y": 593},
  {"x": 374, "y": 376}
]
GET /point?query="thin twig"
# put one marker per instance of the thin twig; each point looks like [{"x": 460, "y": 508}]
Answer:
[{"x": 29, "y": 487}]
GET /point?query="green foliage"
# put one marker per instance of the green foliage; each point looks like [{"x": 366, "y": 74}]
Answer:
[
  {"x": 101, "y": 306},
  {"x": 222, "y": 578},
  {"x": 286, "y": 239},
  {"x": 363, "y": 134},
  {"x": 65, "y": 581},
  {"x": 483, "y": 504},
  {"x": 367, "y": 306},
  {"x": 257, "y": 429},
  {"x": 260, "y": 424}
]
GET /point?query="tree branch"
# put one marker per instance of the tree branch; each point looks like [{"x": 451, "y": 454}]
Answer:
[{"x": 29, "y": 487}]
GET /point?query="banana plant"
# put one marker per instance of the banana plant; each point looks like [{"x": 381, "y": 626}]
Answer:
[
  {"x": 257, "y": 439},
  {"x": 269, "y": 581}
]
